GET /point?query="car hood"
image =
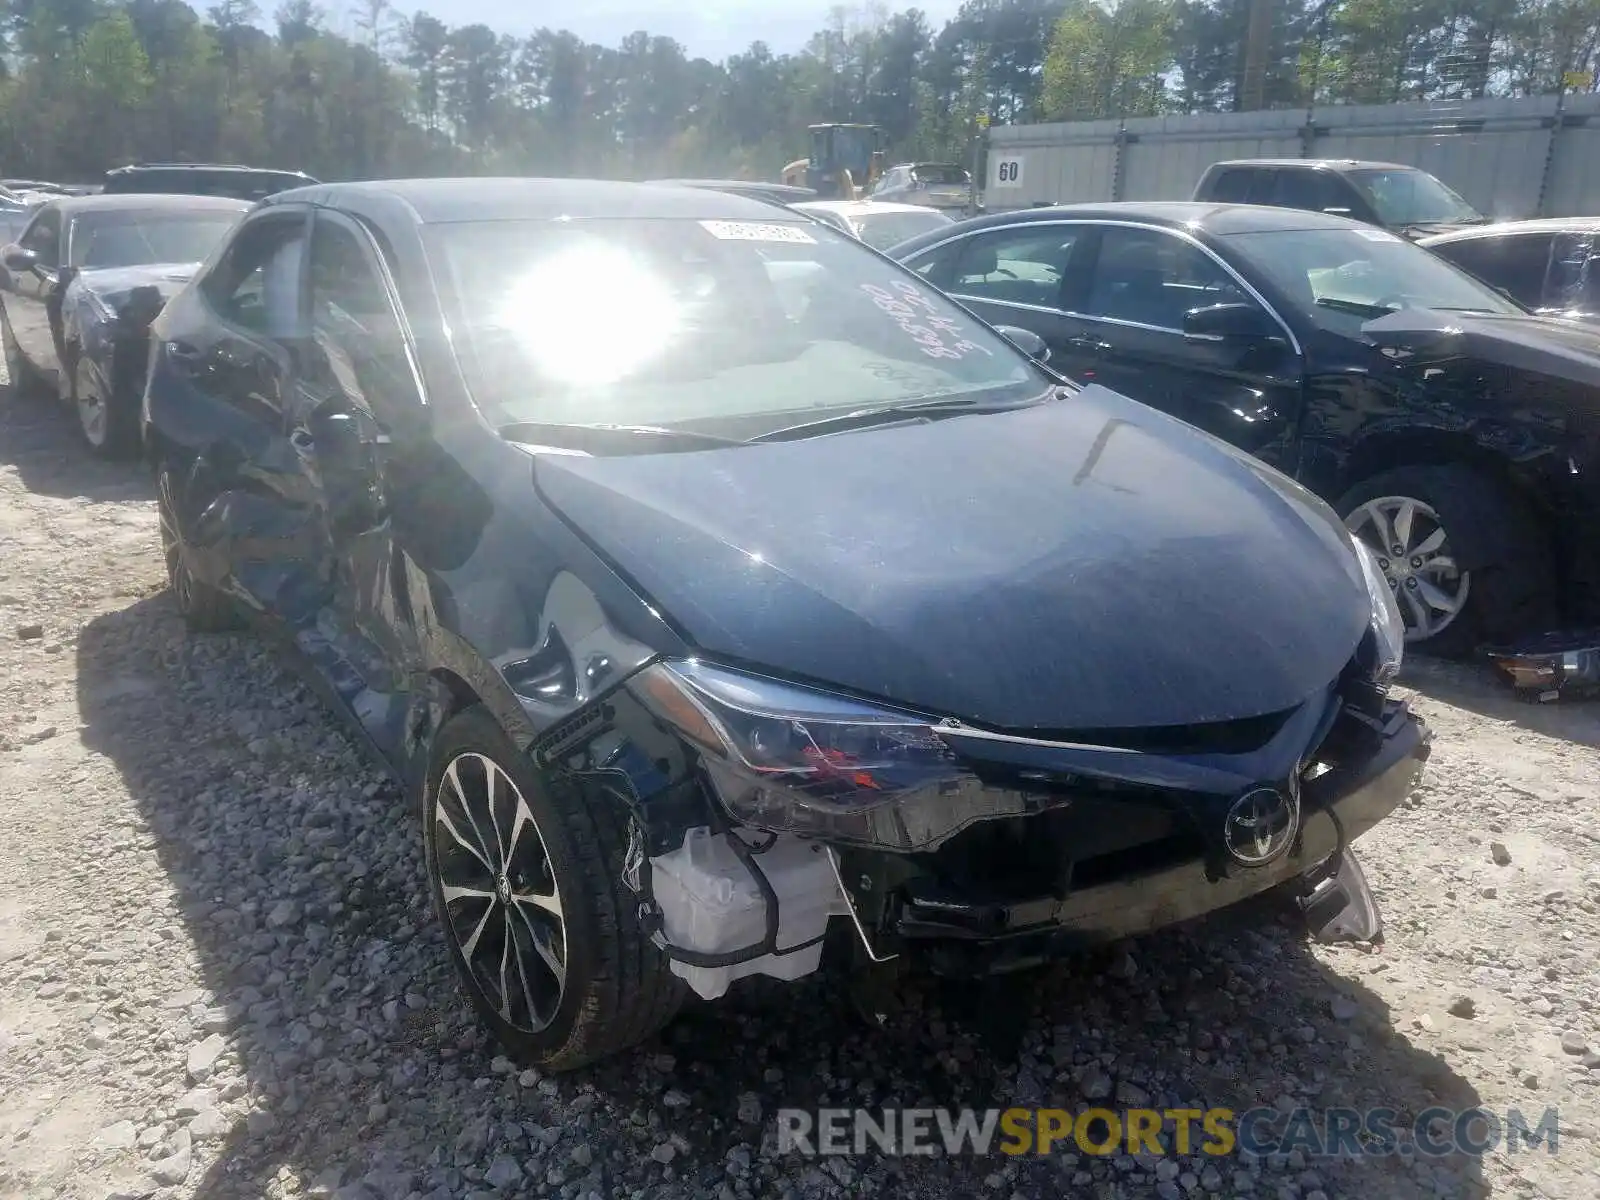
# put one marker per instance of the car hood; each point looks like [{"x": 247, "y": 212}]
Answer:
[
  {"x": 113, "y": 284},
  {"x": 1557, "y": 347},
  {"x": 1083, "y": 564}
]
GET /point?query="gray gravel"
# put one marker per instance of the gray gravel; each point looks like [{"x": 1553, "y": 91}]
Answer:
[{"x": 219, "y": 977}]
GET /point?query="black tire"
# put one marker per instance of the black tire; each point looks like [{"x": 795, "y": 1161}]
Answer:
[
  {"x": 1512, "y": 588},
  {"x": 116, "y": 436},
  {"x": 204, "y": 609},
  {"x": 24, "y": 380},
  {"x": 618, "y": 988}
]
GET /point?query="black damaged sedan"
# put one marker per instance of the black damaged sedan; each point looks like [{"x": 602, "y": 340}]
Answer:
[{"x": 716, "y": 587}]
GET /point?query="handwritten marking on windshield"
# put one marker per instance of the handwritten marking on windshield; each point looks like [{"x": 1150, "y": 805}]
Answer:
[{"x": 916, "y": 314}]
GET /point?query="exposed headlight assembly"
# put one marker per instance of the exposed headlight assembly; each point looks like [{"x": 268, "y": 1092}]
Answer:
[
  {"x": 1388, "y": 628},
  {"x": 792, "y": 759}
]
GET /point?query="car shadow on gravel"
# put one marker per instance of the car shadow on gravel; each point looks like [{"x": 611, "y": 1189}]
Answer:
[
  {"x": 1475, "y": 687},
  {"x": 352, "y": 1066},
  {"x": 39, "y": 439}
]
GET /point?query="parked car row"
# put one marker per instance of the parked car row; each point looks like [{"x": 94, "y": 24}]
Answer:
[
  {"x": 1452, "y": 429},
  {"x": 83, "y": 276},
  {"x": 719, "y": 587}
]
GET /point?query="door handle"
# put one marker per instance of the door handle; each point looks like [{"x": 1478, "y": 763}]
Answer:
[
  {"x": 1093, "y": 345},
  {"x": 184, "y": 356}
]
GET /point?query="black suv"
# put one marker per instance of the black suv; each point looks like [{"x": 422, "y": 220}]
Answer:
[
  {"x": 203, "y": 179},
  {"x": 1404, "y": 199}
]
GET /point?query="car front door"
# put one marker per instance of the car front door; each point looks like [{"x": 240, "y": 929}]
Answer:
[
  {"x": 1142, "y": 284},
  {"x": 356, "y": 385},
  {"x": 28, "y": 307},
  {"x": 1018, "y": 275}
]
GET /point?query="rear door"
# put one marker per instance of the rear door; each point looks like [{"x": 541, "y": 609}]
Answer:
[
  {"x": 226, "y": 361},
  {"x": 1142, "y": 282},
  {"x": 1020, "y": 275}
]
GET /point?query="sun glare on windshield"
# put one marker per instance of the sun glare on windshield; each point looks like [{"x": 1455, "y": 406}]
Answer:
[{"x": 590, "y": 314}]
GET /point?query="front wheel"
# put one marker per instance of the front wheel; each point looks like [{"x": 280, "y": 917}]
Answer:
[
  {"x": 1417, "y": 521},
  {"x": 106, "y": 421},
  {"x": 526, "y": 878}
]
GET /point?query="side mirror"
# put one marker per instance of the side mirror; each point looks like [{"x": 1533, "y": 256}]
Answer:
[
  {"x": 1029, "y": 342},
  {"x": 19, "y": 259},
  {"x": 1231, "y": 322}
]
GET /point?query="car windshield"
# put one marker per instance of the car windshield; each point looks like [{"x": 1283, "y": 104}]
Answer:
[
  {"x": 939, "y": 175},
  {"x": 882, "y": 230},
  {"x": 136, "y": 239},
  {"x": 1403, "y": 197},
  {"x": 1346, "y": 276},
  {"x": 749, "y": 325}
]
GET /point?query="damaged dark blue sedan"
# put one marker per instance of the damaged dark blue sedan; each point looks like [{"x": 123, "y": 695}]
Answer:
[{"x": 717, "y": 588}]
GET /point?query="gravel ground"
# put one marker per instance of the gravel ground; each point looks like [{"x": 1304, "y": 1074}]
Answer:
[{"x": 219, "y": 977}]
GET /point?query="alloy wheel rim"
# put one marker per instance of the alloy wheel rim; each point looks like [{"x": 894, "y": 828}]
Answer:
[
  {"x": 1416, "y": 558},
  {"x": 502, "y": 904},
  {"x": 92, "y": 416},
  {"x": 171, "y": 543}
]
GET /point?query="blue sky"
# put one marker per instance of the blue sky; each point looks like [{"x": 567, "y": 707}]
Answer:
[{"x": 708, "y": 28}]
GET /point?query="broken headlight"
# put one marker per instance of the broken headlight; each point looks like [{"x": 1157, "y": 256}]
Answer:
[
  {"x": 1388, "y": 629},
  {"x": 788, "y": 758}
]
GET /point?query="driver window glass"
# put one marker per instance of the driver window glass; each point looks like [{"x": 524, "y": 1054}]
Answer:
[
  {"x": 256, "y": 283},
  {"x": 1021, "y": 266},
  {"x": 1515, "y": 265},
  {"x": 1574, "y": 279},
  {"x": 44, "y": 239},
  {"x": 1153, "y": 278},
  {"x": 358, "y": 349}
]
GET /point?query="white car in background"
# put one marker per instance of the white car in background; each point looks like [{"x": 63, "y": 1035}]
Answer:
[{"x": 879, "y": 224}]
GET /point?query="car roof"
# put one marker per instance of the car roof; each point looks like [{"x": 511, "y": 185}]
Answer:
[
  {"x": 130, "y": 201},
  {"x": 1321, "y": 164},
  {"x": 235, "y": 168},
  {"x": 1208, "y": 216},
  {"x": 444, "y": 201},
  {"x": 860, "y": 208},
  {"x": 1502, "y": 228}
]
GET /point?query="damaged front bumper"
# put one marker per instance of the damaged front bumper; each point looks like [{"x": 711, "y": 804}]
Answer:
[
  {"x": 968, "y": 932},
  {"x": 997, "y": 850}
]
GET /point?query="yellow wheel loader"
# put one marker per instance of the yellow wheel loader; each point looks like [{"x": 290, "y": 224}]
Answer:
[{"x": 844, "y": 163}]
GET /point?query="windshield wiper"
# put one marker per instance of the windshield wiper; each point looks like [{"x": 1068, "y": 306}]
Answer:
[
  {"x": 522, "y": 431},
  {"x": 1355, "y": 307},
  {"x": 888, "y": 414}
]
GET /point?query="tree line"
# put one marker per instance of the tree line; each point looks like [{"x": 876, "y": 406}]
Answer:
[{"x": 369, "y": 91}]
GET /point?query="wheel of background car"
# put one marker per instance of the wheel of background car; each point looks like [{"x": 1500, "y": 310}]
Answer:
[
  {"x": 526, "y": 878},
  {"x": 19, "y": 374},
  {"x": 203, "y": 608},
  {"x": 107, "y": 423},
  {"x": 1417, "y": 520}
]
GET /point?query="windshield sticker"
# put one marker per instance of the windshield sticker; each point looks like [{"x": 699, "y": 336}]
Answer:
[
  {"x": 1377, "y": 235},
  {"x": 936, "y": 335},
  {"x": 756, "y": 231}
]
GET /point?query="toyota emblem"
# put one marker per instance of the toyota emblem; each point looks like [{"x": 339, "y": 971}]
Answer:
[{"x": 1260, "y": 826}]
